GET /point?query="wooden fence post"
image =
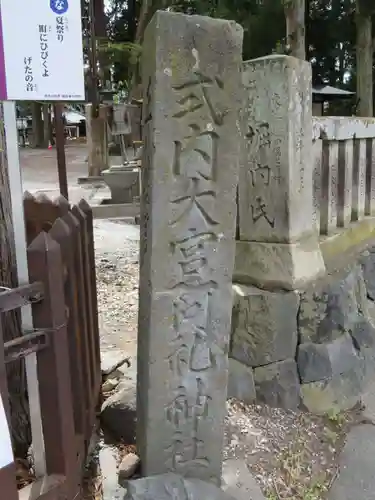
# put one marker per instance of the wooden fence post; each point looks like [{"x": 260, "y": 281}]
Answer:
[
  {"x": 45, "y": 265},
  {"x": 41, "y": 212},
  {"x": 61, "y": 233},
  {"x": 86, "y": 209},
  {"x": 81, "y": 217},
  {"x": 81, "y": 298}
]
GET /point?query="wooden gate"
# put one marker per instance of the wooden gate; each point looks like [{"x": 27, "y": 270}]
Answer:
[{"x": 65, "y": 339}]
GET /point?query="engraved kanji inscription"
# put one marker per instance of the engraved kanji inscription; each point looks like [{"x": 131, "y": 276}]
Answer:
[
  {"x": 186, "y": 452},
  {"x": 184, "y": 407},
  {"x": 259, "y": 135},
  {"x": 193, "y": 206},
  {"x": 196, "y": 152},
  {"x": 198, "y": 358},
  {"x": 262, "y": 172},
  {"x": 188, "y": 309},
  {"x": 259, "y": 211},
  {"x": 192, "y": 261},
  {"x": 195, "y": 93}
]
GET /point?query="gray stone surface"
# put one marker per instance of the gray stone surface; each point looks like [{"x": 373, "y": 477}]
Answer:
[
  {"x": 368, "y": 401},
  {"x": 368, "y": 267},
  {"x": 275, "y": 188},
  {"x": 173, "y": 487},
  {"x": 119, "y": 414},
  {"x": 332, "y": 306},
  {"x": 277, "y": 130},
  {"x": 356, "y": 478},
  {"x": 111, "y": 360},
  {"x": 363, "y": 333},
  {"x": 241, "y": 382},
  {"x": 322, "y": 361},
  {"x": 341, "y": 392},
  {"x": 192, "y": 95},
  {"x": 127, "y": 467},
  {"x": 288, "y": 266},
  {"x": 238, "y": 481},
  {"x": 278, "y": 384},
  {"x": 264, "y": 325},
  {"x": 123, "y": 183}
]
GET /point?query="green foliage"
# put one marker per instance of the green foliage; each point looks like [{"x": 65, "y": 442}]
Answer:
[
  {"x": 117, "y": 51},
  {"x": 330, "y": 34},
  {"x": 367, "y": 7}
]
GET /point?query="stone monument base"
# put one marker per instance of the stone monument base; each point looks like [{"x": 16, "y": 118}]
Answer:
[
  {"x": 172, "y": 486},
  {"x": 286, "y": 266}
]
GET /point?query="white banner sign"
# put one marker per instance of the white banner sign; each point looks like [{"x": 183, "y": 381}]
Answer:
[
  {"x": 6, "y": 452},
  {"x": 41, "y": 55}
]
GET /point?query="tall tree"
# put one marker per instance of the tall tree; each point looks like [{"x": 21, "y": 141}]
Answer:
[
  {"x": 364, "y": 11},
  {"x": 295, "y": 27}
]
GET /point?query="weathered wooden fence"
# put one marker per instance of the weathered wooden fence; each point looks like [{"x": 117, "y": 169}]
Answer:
[
  {"x": 65, "y": 339},
  {"x": 343, "y": 170}
]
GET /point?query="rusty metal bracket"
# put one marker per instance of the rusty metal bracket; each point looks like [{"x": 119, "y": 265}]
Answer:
[
  {"x": 21, "y": 347},
  {"x": 12, "y": 298},
  {"x": 31, "y": 341}
]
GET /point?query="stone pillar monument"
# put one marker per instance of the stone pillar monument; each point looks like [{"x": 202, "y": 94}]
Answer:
[
  {"x": 278, "y": 245},
  {"x": 97, "y": 140},
  {"x": 192, "y": 94}
]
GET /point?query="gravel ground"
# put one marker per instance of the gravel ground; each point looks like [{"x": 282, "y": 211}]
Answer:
[
  {"x": 292, "y": 455},
  {"x": 117, "y": 249}
]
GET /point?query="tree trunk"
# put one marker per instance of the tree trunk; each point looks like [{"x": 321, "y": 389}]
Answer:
[
  {"x": 148, "y": 9},
  {"x": 45, "y": 110},
  {"x": 295, "y": 27},
  {"x": 101, "y": 33},
  {"x": 364, "y": 54},
  {"x": 38, "y": 135},
  {"x": 11, "y": 322}
]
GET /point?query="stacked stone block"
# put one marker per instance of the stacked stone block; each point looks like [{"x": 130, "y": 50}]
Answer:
[{"x": 312, "y": 348}]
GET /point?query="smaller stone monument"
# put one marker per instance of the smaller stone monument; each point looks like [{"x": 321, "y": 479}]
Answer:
[{"x": 278, "y": 245}]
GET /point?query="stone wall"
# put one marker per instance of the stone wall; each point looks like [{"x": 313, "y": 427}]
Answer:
[{"x": 313, "y": 348}]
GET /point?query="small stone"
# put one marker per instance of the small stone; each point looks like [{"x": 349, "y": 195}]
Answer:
[
  {"x": 264, "y": 325},
  {"x": 118, "y": 412},
  {"x": 109, "y": 385},
  {"x": 128, "y": 467},
  {"x": 241, "y": 382},
  {"x": 173, "y": 487},
  {"x": 111, "y": 360},
  {"x": 322, "y": 361},
  {"x": 331, "y": 307},
  {"x": 278, "y": 384}
]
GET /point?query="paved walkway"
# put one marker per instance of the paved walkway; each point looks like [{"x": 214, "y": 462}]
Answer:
[{"x": 356, "y": 478}]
